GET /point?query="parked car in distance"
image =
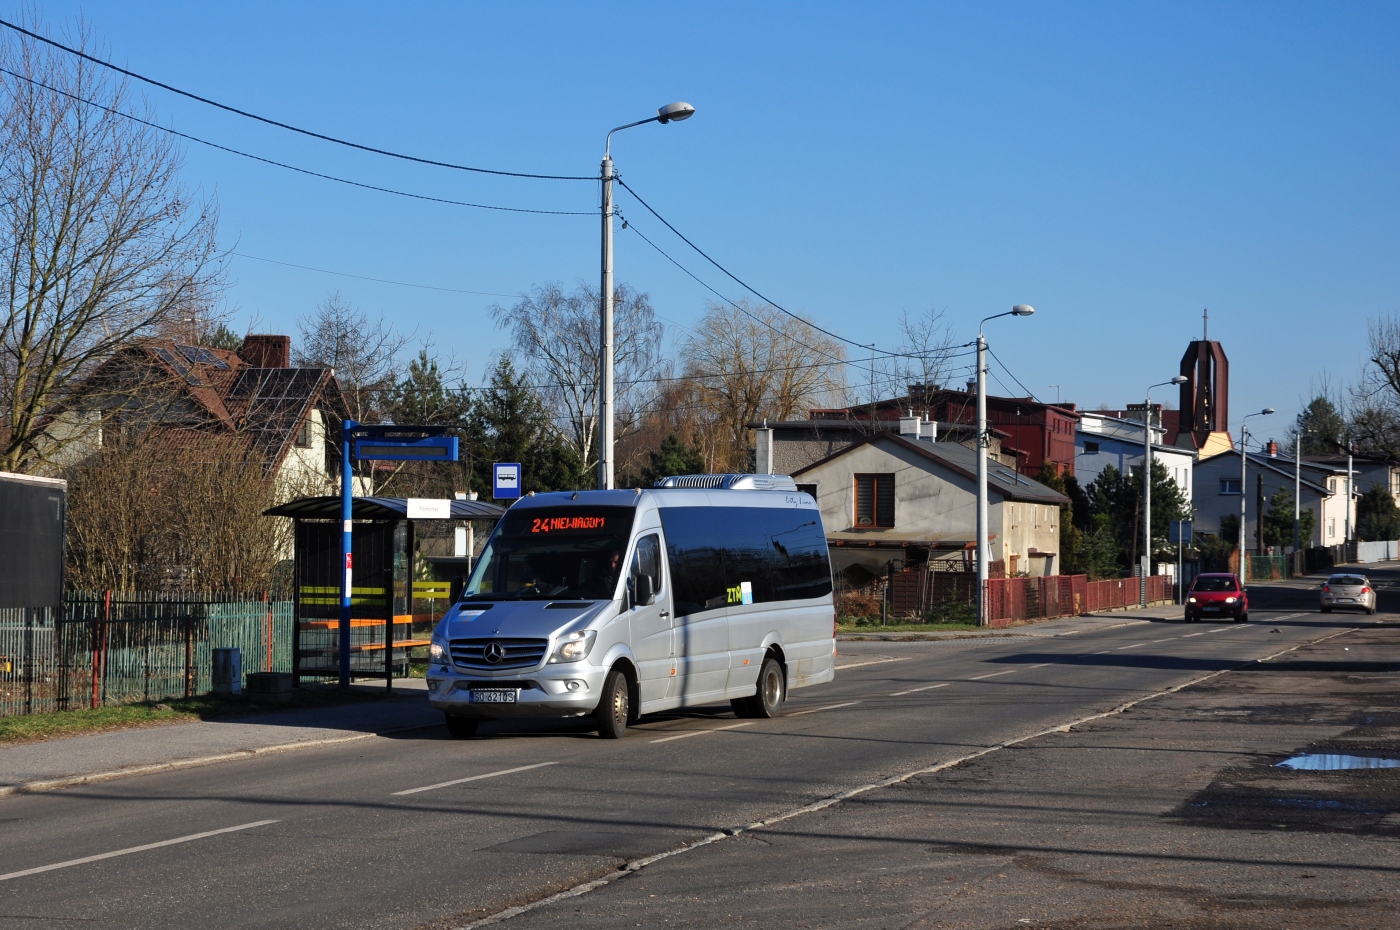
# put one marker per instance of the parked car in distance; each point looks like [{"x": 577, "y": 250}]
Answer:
[
  {"x": 1348, "y": 592},
  {"x": 1217, "y": 594}
]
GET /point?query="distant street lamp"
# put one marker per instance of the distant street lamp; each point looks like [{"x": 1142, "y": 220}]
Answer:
[
  {"x": 984, "y": 549},
  {"x": 1146, "y": 561},
  {"x": 670, "y": 113},
  {"x": 1244, "y": 497}
]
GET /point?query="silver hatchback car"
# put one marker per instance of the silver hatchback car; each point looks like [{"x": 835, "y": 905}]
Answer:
[{"x": 1349, "y": 592}]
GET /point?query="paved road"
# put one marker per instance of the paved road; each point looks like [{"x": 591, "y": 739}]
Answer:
[{"x": 419, "y": 829}]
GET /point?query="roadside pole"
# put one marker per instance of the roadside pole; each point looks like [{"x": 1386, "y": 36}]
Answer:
[{"x": 346, "y": 550}]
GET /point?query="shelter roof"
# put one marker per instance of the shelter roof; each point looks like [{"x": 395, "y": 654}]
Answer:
[{"x": 376, "y": 508}]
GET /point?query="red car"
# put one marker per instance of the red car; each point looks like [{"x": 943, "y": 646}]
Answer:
[{"x": 1217, "y": 595}]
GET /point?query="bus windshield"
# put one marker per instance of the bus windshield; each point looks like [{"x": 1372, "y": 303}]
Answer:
[{"x": 564, "y": 553}]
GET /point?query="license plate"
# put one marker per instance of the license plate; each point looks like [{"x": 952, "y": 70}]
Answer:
[
  {"x": 1208, "y": 609},
  {"x": 482, "y": 696},
  {"x": 1346, "y": 600}
]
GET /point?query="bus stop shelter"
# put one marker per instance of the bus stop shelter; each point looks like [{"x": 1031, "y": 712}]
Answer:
[{"x": 389, "y": 578}]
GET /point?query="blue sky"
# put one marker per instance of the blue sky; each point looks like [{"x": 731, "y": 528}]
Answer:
[{"x": 1119, "y": 166}]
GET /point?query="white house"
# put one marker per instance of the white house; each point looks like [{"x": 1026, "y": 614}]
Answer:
[{"x": 1100, "y": 441}]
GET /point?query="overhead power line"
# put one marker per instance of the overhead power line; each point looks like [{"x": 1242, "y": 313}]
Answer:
[
  {"x": 737, "y": 280},
  {"x": 1029, "y": 392},
  {"x": 278, "y": 164},
  {"x": 287, "y": 126}
]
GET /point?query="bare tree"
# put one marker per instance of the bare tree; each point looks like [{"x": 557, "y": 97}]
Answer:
[
  {"x": 747, "y": 363},
  {"x": 362, "y": 352},
  {"x": 175, "y": 509},
  {"x": 100, "y": 243},
  {"x": 556, "y": 336},
  {"x": 923, "y": 356},
  {"x": 1374, "y": 406}
]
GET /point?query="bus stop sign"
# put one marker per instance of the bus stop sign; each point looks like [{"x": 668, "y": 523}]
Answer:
[{"x": 505, "y": 482}]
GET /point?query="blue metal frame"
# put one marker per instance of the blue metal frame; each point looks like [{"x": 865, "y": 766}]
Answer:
[{"x": 382, "y": 443}]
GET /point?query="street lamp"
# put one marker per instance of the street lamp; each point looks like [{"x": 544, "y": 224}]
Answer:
[
  {"x": 670, "y": 113},
  {"x": 1147, "y": 488},
  {"x": 1244, "y": 498},
  {"x": 984, "y": 551}
]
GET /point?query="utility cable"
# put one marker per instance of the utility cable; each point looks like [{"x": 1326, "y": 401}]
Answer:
[
  {"x": 1029, "y": 392},
  {"x": 749, "y": 288},
  {"x": 278, "y": 164},
  {"x": 287, "y": 126},
  {"x": 851, "y": 362}
]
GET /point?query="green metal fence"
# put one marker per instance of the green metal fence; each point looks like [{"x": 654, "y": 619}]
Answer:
[
  {"x": 1266, "y": 567},
  {"x": 109, "y": 648}
]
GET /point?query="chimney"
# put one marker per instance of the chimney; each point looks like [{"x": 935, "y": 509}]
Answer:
[
  {"x": 1273, "y": 449},
  {"x": 267, "y": 351},
  {"x": 763, "y": 450}
]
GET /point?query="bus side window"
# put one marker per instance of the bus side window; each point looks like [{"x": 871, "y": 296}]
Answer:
[{"x": 646, "y": 561}]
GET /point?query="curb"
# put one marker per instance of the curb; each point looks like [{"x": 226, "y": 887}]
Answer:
[{"x": 71, "y": 781}]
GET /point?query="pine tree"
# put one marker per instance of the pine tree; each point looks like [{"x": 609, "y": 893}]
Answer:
[
  {"x": 1321, "y": 426},
  {"x": 1278, "y": 521},
  {"x": 509, "y": 423},
  {"x": 1377, "y": 517}
]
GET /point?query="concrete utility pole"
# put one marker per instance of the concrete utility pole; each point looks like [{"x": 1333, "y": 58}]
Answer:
[
  {"x": 1146, "y": 563},
  {"x": 1297, "y": 490},
  {"x": 1347, "y": 537},
  {"x": 670, "y": 113},
  {"x": 1244, "y": 493},
  {"x": 984, "y": 549}
]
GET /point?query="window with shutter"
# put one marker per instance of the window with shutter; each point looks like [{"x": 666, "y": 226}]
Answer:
[{"x": 874, "y": 500}]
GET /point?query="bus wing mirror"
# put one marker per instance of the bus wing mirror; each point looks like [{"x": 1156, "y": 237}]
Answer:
[
  {"x": 455, "y": 592},
  {"x": 646, "y": 591}
]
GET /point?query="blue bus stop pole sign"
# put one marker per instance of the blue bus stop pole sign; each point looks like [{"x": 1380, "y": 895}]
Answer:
[{"x": 505, "y": 481}]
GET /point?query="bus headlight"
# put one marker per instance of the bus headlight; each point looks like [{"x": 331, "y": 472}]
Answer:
[
  {"x": 573, "y": 647},
  {"x": 438, "y": 654}
]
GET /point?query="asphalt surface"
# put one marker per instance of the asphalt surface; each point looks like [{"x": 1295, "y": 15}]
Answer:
[{"x": 417, "y": 829}]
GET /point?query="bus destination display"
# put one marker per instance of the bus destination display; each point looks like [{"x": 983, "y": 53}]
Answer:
[{"x": 564, "y": 524}]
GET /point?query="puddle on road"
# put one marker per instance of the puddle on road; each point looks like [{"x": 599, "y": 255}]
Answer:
[{"x": 1327, "y": 762}]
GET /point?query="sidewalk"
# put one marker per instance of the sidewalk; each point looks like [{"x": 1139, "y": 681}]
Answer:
[{"x": 61, "y": 763}]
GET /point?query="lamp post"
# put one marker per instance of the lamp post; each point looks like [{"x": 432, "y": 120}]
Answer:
[
  {"x": 670, "y": 113},
  {"x": 1244, "y": 498},
  {"x": 1146, "y": 563},
  {"x": 984, "y": 550}
]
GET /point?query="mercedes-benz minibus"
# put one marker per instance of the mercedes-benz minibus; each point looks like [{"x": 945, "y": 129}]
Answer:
[{"x": 704, "y": 589}]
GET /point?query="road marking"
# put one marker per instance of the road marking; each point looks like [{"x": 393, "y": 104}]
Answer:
[
  {"x": 1133, "y": 646},
  {"x": 842, "y": 668},
  {"x": 636, "y": 865},
  {"x": 941, "y": 684},
  {"x": 991, "y": 674},
  {"x": 815, "y": 710},
  {"x": 1167, "y": 640},
  {"x": 133, "y": 849},
  {"x": 460, "y": 781},
  {"x": 1041, "y": 665},
  {"x": 1202, "y": 633},
  {"x": 688, "y": 733}
]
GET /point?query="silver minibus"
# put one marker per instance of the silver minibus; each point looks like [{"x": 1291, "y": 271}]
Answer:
[{"x": 704, "y": 589}]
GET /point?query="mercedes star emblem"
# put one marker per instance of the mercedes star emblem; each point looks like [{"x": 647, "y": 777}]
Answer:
[{"x": 494, "y": 653}]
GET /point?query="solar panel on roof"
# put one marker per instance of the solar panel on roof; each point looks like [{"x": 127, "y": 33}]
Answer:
[
  {"x": 172, "y": 360},
  {"x": 199, "y": 355}
]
